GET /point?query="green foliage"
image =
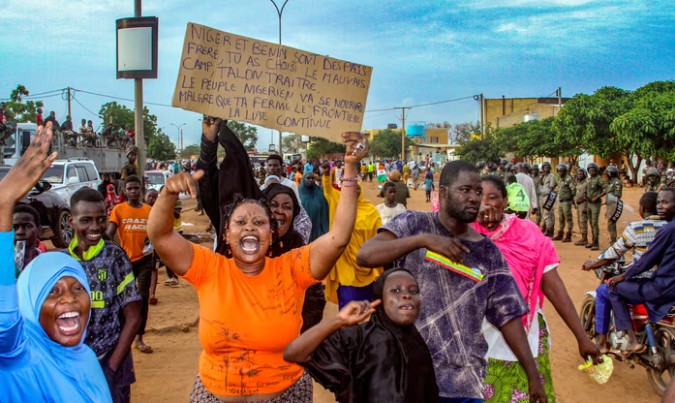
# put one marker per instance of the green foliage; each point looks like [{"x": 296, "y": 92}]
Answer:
[
  {"x": 161, "y": 148},
  {"x": 476, "y": 150},
  {"x": 387, "y": 144},
  {"x": 606, "y": 104},
  {"x": 648, "y": 128},
  {"x": 248, "y": 135},
  {"x": 190, "y": 150},
  {"x": 319, "y": 146},
  {"x": 120, "y": 115},
  {"x": 291, "y": 143},
  {"x": 536, "y": 138},
  {"x": 18, "y": 110}
]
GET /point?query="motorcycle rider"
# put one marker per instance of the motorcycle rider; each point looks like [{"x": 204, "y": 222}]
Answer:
[
  {"x": 637, "y": 236},
  {"x": 656, "y": 292}
]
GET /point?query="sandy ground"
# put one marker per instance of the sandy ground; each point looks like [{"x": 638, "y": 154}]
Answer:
[{"x": 167, "y": 374}]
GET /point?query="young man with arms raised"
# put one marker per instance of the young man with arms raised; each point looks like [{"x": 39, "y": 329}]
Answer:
[
  {"x": 463, "y": 279},
  {"x": 130, "y": 221},
  {"x": 115, "y": 307}
]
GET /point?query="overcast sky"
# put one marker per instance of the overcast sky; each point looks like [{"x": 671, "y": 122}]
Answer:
[{"x": 421, "y": 51}]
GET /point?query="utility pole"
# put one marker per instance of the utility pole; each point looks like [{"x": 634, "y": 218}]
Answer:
[
  {"x": 403, "y": 108},
  {"x": 482, "y": 115},
  {"x": 280, "y": 12},
  {"x": 69, "y": 106},
  {"x": 138, "y": 108},
  {"x": 559, "y": 93}
]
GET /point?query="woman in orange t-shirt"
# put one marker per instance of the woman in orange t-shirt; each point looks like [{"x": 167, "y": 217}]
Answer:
[{"x": 251, "y": 304}]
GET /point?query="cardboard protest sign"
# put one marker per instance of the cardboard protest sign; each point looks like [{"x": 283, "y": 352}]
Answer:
[{"x": 282, "y": 88}]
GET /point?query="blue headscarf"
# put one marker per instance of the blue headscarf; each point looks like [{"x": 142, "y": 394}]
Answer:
[
  {"x": 38, "y": 368},
  {"x": 316, "y": 206}
]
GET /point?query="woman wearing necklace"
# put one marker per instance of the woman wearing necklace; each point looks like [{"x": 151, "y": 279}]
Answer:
[{"x": 250, "y": 303}]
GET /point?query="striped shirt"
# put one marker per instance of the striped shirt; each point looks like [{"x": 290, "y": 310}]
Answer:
[{"x": 637, "y": 236}]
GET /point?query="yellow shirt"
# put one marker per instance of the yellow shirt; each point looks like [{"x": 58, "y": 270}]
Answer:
[{"x": 346, "y": 271}]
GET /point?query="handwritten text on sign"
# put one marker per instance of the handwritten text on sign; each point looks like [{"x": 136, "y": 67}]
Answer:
[{"x": 274, "y": 86}]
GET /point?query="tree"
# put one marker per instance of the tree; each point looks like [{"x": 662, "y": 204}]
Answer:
[
  {"x": 648, "y": 128},
  {"x": 319, "y": 146},
  {"x": 462, "y": 132},
  {"x": 291, "y": 143},
  {"x": 161, "y": 148},
  {"x": 120, "y": 115},
  {"x": 247, "y": 134},
  {"x": 190, "y": 150},
  {"x": 387, "y": 144},
  {"x": 476, "y": 150},
  {"x": 606, "y": 104},
  {"x": 583, "y": 124},
  {"x": 17, "y": 110}
]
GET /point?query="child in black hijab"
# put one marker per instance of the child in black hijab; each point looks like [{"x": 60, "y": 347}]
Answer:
[{"x": 382, "y": 360}]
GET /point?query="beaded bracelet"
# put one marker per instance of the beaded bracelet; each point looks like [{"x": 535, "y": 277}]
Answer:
[
  {"x": 347, "y": 185},
  {"x": 354, "y": 179}
]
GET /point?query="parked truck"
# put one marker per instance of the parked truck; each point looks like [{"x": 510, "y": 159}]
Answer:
[{"x": 17, "y": 138}]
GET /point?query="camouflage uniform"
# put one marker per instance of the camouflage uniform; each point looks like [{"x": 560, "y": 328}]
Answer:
[
  {"x": 649, "y": 185},
  {"x": 582, "y": 211},
  {"x": 537, "y": 188},
  {"x": 596, "y": 188},
  {"x": 614, "y": 187},
  {"x": 548, "y": 183},
  {"x": 565, "y": 196}
]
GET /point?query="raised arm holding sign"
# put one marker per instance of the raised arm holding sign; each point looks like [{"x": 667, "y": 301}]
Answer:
[{"x": 270, "y": 85}]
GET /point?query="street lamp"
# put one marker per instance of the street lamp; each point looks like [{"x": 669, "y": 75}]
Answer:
[
  {"x": 180, "y": 135},
  {"x": 280, "y": 12}
]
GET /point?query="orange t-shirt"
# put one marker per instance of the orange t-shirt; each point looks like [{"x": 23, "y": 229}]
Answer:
[
  {"x": 246, "y": 322},
  {"x": 132, "y": 228}
]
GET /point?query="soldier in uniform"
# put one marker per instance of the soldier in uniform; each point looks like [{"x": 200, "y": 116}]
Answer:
[
  {"x": 536, "y": 178},
  {"x": 501, "y": 169},
  {"x": 594, "y": 193},
  {"x": 614, "y": 188},
  {"x": 652, "y": 179},
  {"x": 565, "y": 200},
  {"x": 548, "y": 184},
  {"x": 581, "y": 204}
]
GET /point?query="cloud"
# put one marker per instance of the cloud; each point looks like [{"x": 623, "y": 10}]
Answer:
[{"x": 483, "y": 4}]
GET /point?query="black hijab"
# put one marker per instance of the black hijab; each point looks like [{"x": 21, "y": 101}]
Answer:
[{"x": 420, "y": 379}]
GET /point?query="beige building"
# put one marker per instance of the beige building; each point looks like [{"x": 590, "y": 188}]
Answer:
[{"x": 505, "y": 112}]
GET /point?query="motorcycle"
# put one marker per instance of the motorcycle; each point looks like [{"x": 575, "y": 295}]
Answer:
[{"x": 659, "y": 357}]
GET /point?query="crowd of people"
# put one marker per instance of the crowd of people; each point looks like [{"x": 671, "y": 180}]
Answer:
[{"x": 436, "y": 306}]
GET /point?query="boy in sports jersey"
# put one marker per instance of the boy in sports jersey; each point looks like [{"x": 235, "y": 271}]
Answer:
[
  {"x": 130, "y": 221},
  {"x": 115, "y": 303}
]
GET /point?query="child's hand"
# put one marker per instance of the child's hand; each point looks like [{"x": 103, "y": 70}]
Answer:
[{"x": 356, "y": 312}]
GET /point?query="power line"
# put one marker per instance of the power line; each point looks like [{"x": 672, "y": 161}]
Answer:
[
  {"x": 85, "y": 108},
  {"x": 422, "y": 105},
  {"x": 120, "y": 98}
]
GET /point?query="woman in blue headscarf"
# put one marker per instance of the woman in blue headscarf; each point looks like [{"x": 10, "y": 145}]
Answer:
[
  {"x": 43, "y": 316},
  {"x": 314, "y": 202}
]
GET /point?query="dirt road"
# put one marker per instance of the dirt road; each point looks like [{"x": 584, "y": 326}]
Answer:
[{"x": 168, "y": 373}]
